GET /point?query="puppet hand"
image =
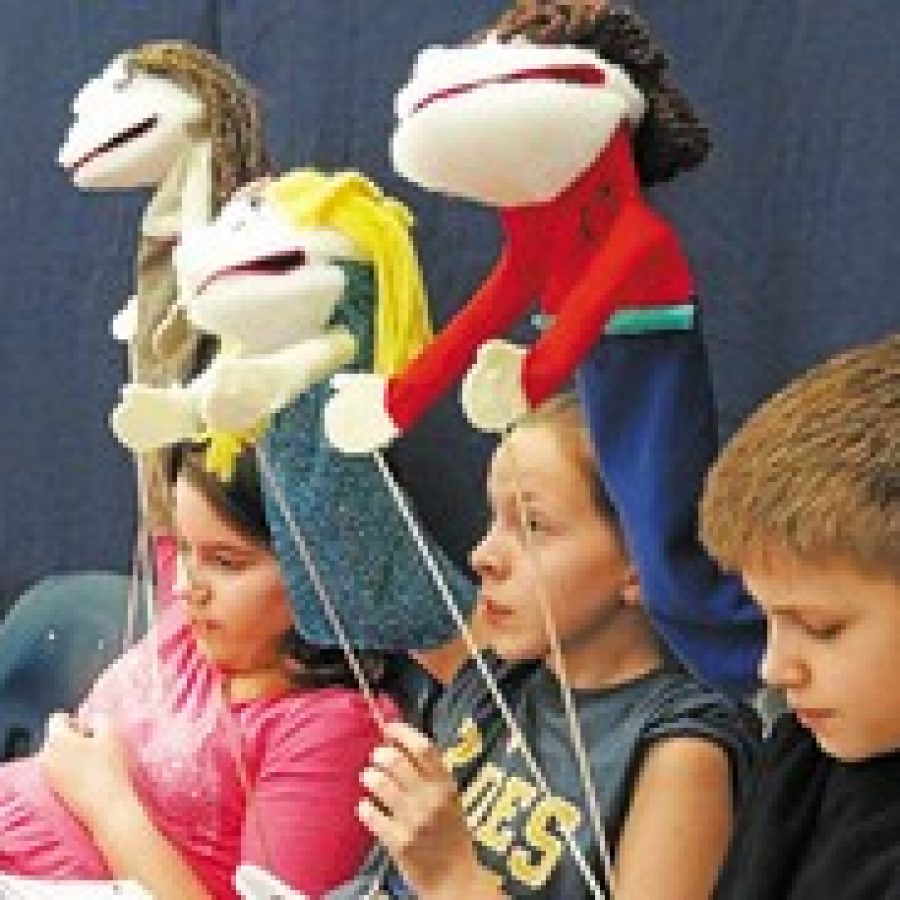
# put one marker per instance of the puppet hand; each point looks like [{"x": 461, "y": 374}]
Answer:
[
  {"x": 86, "y": 767},
  {"x": 253, "y": 883},
  {"x": 124, "y": 323},
  {"x": 240, "y": 393},
  {"x": 417, "y": 815},
  {"x": 147, "y": 418},
  {"x": 356, "y": 419},
  {"x": 492, "y": 394}
]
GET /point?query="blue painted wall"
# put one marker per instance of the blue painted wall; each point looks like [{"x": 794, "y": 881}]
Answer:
[{"x": 792, "y": 224}]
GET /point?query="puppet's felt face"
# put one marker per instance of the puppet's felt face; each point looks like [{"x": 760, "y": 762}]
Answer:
[
  {"x": 254, "y": 278},
  {"x": 511, "y": 123},
  {"x": 128, "y": 129}
]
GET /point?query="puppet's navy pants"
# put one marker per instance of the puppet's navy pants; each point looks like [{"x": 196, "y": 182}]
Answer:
[{"x": 649, "y": 405}]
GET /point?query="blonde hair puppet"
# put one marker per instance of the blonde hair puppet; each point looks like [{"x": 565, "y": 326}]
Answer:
[{"x": 299, "y": 278}]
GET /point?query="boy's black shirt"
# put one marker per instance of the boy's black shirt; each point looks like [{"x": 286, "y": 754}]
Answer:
[{"x": 815, "y": 828}]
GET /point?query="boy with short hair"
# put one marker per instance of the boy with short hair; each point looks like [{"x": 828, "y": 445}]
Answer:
[{"x": 804, "y": 502}]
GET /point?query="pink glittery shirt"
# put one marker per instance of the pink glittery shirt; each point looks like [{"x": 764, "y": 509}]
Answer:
[{"x": 303, "y": 753}]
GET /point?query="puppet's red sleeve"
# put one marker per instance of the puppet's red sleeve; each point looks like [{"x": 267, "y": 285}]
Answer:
[
  {"x": 503, "y": 297},
  {"x": 640, "y": 264}
]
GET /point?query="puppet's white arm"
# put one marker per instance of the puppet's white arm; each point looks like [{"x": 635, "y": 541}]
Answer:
[
  {"x": 147, "y": 418},
  {"x": 243, "y": 391}
]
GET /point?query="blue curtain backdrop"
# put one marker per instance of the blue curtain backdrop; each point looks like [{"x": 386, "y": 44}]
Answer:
[{"x": 792, "y": 225}]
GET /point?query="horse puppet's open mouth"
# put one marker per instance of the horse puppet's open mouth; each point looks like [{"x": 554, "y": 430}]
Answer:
[
  {"x": 280, "y": 263},
  {"x": 568, "y": 74},
  {"x": 115, "y": 142}
]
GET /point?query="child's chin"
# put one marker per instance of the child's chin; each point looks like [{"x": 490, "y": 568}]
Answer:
[
  {"x": 852, "y": 749},
  {"x": 515, "y": 651},
  {"x": 212, "y": 654}
]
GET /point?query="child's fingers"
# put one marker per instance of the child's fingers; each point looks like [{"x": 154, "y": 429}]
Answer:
[
  {"x": 396, "y": 764},
  {"x": 421, "y": 752},
  {"x": 385, "y": 827},
  {"x": 383, "y": 788}
]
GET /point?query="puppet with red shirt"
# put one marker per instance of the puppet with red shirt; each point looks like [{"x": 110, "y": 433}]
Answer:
[{"x": 559, "y": 117}]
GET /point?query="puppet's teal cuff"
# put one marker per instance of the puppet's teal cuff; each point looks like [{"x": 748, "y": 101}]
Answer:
[{"x": 640, "y": 320}]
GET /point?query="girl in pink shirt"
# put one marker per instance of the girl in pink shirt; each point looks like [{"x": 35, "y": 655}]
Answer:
[{"x": 221, "y": 738}]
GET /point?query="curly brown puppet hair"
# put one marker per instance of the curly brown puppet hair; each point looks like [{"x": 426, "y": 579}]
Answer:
[
  {"x": 233, "y": 117},
  {"x": 671, "y": 138}
]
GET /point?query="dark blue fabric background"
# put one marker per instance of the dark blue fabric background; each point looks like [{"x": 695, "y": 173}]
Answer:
[{"x": 792, "y": 225}]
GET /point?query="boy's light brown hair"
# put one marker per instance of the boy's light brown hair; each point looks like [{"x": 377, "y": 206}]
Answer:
[{"x": 815, "y": 471}]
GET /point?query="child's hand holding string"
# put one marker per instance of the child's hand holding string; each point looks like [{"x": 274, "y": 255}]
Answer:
[
  {"x": 85, "y": 766},
  {"x": 414, "y": 810}
]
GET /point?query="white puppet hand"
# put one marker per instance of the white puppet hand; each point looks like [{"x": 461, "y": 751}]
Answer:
[
  {"x": 356, "y": 419},
  {"x": 492, "y": 394},
  {"x": 254, "y": 883},
  {"x": 147, "y": 418}
]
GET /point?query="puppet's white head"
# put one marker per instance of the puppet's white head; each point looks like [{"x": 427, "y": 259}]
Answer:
[
  {"x": 518, "y": 116},
  {"x": 508, "y": 123},
  {"x": 134, "y": 122},
  {"x": 266, "y": 277},
  {"x": 256, "y": 280},
  {"x": 129, "y": 128}
]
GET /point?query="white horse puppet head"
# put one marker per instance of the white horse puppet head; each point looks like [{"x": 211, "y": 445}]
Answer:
[
  {"x": 129, "y": 128},
  {"x": 150, "y": 107},
  {"x": 266, "y": 278},
  {"x": 508, "y": 123},
  {"x": 254, "y": 250}
]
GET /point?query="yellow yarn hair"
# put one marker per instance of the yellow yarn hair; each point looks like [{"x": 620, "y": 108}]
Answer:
[
  {"x": 380, "y": 227},
  {"x": 224, "y": 447}
]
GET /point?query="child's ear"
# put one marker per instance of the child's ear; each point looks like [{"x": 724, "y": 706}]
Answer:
[{"x": 631, "y": 588}]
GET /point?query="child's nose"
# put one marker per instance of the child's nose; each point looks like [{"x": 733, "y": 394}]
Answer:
[
  {"x": 190, "y": 583},
  {"x": 182, "y": 583},
  {"x": 197, "y": 594},
  {"x": 782, "y": 666},
  {"x": 488, "y": 559}
]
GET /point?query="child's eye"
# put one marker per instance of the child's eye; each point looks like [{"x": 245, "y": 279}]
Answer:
[
  {"x": 227, "y": 562},
  {"x": 825, "y": 632},
  {"x": 534, "y": 523}
]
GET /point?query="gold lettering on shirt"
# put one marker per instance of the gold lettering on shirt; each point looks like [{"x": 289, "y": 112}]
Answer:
[
  {"x": 467, "y": 747},
  {"x": 533, "y": 866},
  {"x": 505, "y": 816},
  {"x": 516, "y": 796},
  {"x": 481, "y": 793}
]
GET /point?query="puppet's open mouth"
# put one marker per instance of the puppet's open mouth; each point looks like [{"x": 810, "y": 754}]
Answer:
[
  {"x": 583, "y": 74},
  {"x": 123, "y": 137},
  {"x": 276, "y": 264}
]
